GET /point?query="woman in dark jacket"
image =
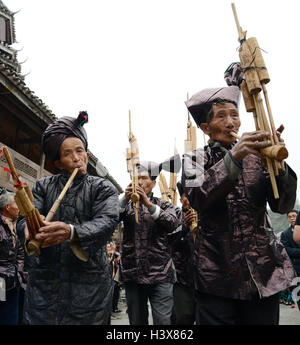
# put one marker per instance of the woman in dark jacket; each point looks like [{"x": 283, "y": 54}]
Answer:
[
  {"x": 63, "y": 288},
  {"x": 11, "y": 260}
]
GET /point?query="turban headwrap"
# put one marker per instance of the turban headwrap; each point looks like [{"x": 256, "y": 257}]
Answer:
[
  {"x": 61, "y": 129},
  {"x": 172, "y": 165},
  {"x": 199, "y": 105}
]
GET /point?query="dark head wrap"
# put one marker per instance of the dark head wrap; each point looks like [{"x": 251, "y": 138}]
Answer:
[
  {"x": 61, "y": 129},
  {"x": 173, "y": 165},
  {"x": 200, "y": 104}
]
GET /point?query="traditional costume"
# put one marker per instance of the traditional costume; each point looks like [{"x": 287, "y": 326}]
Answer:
[
  {"x": 182, "y": 255},
  {"x": 241, "y": 266},
  {"x": 146, "y": 263},
  {"x": 61, "y": 288}
]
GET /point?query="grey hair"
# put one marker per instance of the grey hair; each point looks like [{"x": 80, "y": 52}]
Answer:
[{"x": 6, "y": 199}]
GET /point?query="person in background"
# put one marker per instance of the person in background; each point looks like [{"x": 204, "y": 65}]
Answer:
[
  {"x": 293, "y": 250},
  {"x": 12, "y": 275},
  {"x": 184, "y": 311},
  {"x": 146, "y": 263},
  {"x": 116, "y": 292}
]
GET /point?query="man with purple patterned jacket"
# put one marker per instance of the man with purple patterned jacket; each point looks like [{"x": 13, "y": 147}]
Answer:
[
  {"x": 146, "y": 263},
  {"x": 241, "y": 266}
]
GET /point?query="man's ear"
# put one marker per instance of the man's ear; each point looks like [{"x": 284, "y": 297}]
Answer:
[
  {"x": 205, "y": 128},
  {"x": 88, "y": 154},
  {"x": 58, "y": 164}
]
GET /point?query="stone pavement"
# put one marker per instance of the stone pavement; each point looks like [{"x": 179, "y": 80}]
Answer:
[{"x": 288, "y": 315}]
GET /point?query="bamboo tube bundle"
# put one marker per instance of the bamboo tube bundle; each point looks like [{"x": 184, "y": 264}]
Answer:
[
  {"x": 190, "y": 143},
  {"x": 133, "y": 163},
  {"x": 24, "y": 200},
  {"x": 256, "y": 77},
  {"x": 172, "y": 188},
  {"x": 192, "y": 139},
  {"x": 194, "y": 225},
  {"x": 164, "y": 190}
]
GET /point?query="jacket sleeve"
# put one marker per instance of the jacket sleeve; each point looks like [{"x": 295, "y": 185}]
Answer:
[
  {"x": 287, "y": 186},
  {"x": 292, "y": 252},
  {"x": 95, "y": 233},
  {"x": 167, "y": 217},
  {"x": 205, "y": 187},
  {"x": 22, "y": 277}
]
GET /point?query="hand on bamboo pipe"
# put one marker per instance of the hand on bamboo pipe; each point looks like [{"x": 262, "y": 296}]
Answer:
[
  {"x": 142, "y": 190},
  {"x": 251, "y": 143},
  {"x": 128, "y": 192},
  {"x": 189, "y": 218},
  {"x": 53, "y": 233},
  {"x": 143, "y": 196},
  {"x": 27, "y": 232}
]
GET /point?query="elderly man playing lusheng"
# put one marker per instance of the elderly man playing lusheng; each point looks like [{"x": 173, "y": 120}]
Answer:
[
  {"x": 241, "y": 266},
  {"x": 64, "y": 288}
]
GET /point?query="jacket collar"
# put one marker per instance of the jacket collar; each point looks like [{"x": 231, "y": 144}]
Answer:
[{"x": 78, "y": 179}]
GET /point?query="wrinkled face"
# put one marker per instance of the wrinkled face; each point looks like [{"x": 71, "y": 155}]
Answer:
[
  {"x": 12, "y": 210},
  {"x": 145, "y": 182},
  {"x": 185, "y": 201},
  {"x": 225, "y": 119},
  {"x": 292, "y": 216},
  {"x": 72, "y": 155}
]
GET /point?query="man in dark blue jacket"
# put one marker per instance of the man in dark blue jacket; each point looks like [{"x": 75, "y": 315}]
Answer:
[{"x": 292, "y": 248}]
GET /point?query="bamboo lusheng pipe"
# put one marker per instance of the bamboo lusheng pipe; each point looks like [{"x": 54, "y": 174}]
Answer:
[
  {"x": 254, "y": 69},
  {"x": 190, "y": 144},
  {"x": 132, "y": 167},
  {"x": 24, "y": 199},
  {"x": 278, "y": 152},
  {"x": 33, "y": 246},
  {"x": 194, "y": 224},
  {"x": 57, "y": 202},
  {"x": 163, "y": 187},
  {"x": 172, "y": 188}
]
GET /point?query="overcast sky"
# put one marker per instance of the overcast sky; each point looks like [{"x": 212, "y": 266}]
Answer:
[{"x": 107, "y": 57}]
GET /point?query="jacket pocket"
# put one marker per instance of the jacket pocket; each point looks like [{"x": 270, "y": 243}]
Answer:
[
  {"x": 41, "y": 295},
  {"x": 89, "y": 290}
]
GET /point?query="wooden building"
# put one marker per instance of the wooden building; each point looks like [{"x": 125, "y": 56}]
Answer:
[{"x": 24, "y": 117}]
